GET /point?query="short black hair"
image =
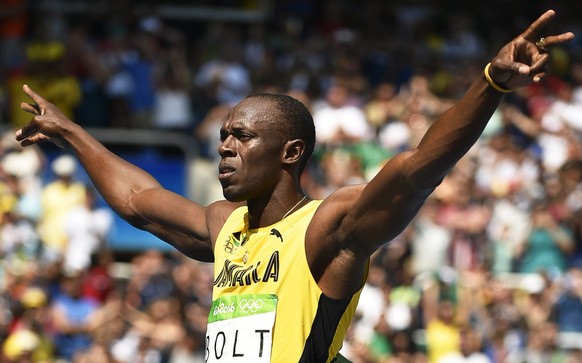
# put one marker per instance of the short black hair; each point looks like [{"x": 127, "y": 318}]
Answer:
[{"x": 294, "y": 121}]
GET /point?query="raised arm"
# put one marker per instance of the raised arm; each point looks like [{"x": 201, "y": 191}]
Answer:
[
  {"x": 398, "y": 191},
  {"x": 365, "y": 217},
  {"x": 130, "y": 191}
]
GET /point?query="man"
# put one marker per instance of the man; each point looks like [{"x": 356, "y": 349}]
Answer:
[{"x": 289, "y": 270}]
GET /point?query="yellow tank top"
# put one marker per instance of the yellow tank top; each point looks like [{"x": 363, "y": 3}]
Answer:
[{"x": 266, "y": 305}]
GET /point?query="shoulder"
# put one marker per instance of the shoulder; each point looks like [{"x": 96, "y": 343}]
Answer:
[
  {"x": 330, "y": 241},
  {"x": 340, "y": 201},
  {"x": 326, "y": 226},
  {"x": 222, "y": 208},
  {"x": 217, "y": 213}
]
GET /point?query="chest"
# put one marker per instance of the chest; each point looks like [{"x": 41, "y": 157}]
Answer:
[{"x": 257, "y": 261}]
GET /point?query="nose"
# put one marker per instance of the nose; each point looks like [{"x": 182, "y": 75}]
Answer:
[{"x": 226, "y": 147}]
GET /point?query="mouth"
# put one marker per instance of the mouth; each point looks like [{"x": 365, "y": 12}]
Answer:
[{"x": 225, "y": 171}]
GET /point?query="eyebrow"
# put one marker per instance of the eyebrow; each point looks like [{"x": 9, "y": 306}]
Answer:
[
  {"x": 224, "y": 131},
  {"x": 233, "y": 129}
]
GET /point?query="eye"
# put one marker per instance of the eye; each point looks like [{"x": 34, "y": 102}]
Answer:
[
  {"x": 242, "y": 135},
  {"x": 238, "y": 134}
]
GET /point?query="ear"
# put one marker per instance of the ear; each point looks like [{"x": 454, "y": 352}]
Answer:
[{"x": 293, "y": 150}]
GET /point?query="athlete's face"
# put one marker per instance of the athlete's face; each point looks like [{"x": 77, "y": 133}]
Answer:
[{"x": 251, "y": 150}]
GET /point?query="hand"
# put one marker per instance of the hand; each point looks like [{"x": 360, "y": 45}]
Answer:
[
  {"x": 48, "y": 123},
  {"x": 522, "y": 61}
]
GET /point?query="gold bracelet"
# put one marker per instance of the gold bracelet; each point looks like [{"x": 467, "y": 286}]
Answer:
[{"x": 492, "y": 83}]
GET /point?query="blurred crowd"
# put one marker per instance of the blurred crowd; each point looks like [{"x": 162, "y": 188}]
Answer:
[{"x": 490, "y": 270}]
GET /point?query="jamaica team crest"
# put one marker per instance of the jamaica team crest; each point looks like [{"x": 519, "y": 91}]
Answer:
[{"x": 233, "y": 242}]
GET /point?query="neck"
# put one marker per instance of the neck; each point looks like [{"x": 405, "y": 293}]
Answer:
[
  {"x": 294, "y": 207},
  {"x": 275, "y": 210}
]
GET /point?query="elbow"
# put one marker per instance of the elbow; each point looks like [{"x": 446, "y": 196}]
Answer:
[
  {"x": 425, "y": 181},
  {"x": 132, "y": 207},
  {"x": 425, "y": 184},
  {"x": 422, "y": 173}
]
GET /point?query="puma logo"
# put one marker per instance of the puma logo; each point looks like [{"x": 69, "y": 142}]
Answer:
[{"x": 276, "y": 233}]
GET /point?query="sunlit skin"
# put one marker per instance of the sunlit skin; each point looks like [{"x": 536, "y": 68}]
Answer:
[
  {"x": 261, "y": 168},
  {"x": 250, "y": 153},
  {"x": 258, "y": 163}
]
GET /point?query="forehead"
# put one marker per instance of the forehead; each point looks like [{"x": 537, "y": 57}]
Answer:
[{"x": 255, "y": 112}]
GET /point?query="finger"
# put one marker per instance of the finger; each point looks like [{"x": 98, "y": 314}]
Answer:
[
  {"x": 34, "y": 139},
  {"x": 27, "y": 130},
  {"x": 30, "y": 108},
  {"x": 512, "y": 68},
  {"x": 536, "y": 70},
  {"x": 531, "y": 33},
  {"x": 540, "y": 63},
  {"x": 538, "y": 77},
  {"x": 35, "y": 97},
  {"x": 551, "y": 40}
]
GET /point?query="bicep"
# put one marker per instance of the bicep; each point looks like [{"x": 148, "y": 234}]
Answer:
[
  {"x": 363, "y": 217},
  {"x": 352, "y": 223},
  {"x": 386, "y": 205}
]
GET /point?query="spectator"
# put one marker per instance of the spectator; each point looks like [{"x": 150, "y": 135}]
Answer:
[
  {"x": 19, "y": 239},
  {"x": 72, "y": 315},
  {"x": 98, "y": 283},
  {"x": 443, "y": 335},
  {"x": 151, "y": 279},
  {"x": 429, "y": 241},
  {"x": 172, "y": 109},
  {"x": 94, "y": 108},
  {"x": 370, "y": 311},
  {"x": 547, "y": 246},
  {"x": 465, "y": 215},
  {"x": 29, "y": 336},
  {"x": 59, "y": 197},
  {"x": 26, "y": 166},
  {"x": 337, "y": 122},
  {"x": 471, "y": 345},
  {"x": 225, "y": 78},
  {"x": 46, "y": 68},
  {"x": 87, "y": 228},
  {"x": 566, "y": 311}
]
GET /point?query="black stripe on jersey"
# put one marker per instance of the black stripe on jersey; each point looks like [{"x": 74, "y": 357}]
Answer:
[{"x": 325, "y": 323}]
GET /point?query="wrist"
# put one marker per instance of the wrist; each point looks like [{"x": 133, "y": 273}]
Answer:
[{"x": 492, "y": 83}]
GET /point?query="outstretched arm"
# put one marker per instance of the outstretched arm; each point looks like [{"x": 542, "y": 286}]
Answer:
[
  {"x": 130, "y": 191},
  {"x": 402, "y": 186},
  {"x": 365, "y": 217}
]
